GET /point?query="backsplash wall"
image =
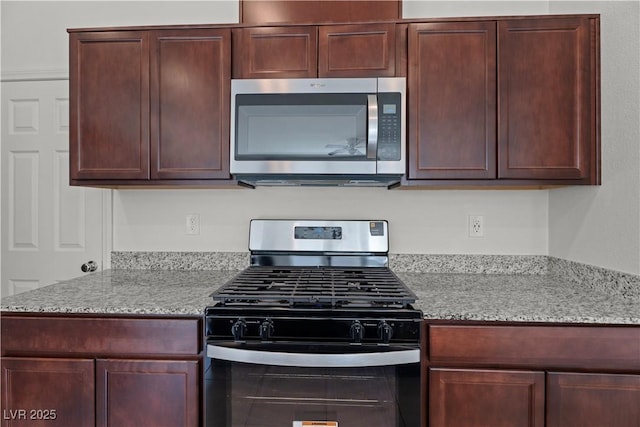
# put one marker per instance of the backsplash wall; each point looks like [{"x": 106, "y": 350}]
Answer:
[{"x": 435, "y": 221}]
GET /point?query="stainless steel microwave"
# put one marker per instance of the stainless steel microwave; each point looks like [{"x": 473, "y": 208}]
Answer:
[{"x": 318, "y": 131}]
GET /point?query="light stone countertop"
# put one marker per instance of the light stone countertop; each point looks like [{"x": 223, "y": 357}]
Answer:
[{"x": 449, "y": 296}]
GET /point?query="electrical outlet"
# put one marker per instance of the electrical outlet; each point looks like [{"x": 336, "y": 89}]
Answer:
[
  {"x": 476, "y": 226},
  {"x": 193, "y": 224}
]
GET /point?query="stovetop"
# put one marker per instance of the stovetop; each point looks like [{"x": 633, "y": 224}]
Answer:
[{"x": 322, "y": 287}]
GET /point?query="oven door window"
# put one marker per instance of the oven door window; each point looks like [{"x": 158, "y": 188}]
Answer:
[
  {"x": 250, "y": 395},
  {"x": 301, "y": 127}
]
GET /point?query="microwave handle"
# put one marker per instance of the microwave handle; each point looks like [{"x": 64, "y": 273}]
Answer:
[
  {"x": 372, "y": 134},
  {"x": 308, "y": 360}
]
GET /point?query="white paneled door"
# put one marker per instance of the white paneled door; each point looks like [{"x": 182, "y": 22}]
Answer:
[{"x": 49, "y": 229}]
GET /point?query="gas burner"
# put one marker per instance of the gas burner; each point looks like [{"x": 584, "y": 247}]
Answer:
[{"x": 320, "y": 286}]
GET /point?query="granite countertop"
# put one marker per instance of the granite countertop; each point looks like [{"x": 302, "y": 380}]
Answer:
[{"x": 449, "y": 296}]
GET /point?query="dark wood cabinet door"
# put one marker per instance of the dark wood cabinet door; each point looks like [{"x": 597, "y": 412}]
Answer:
[
  {"x": 276, "y": 52},
  {"x": 147, "y": 393},
  {"x": 366, "y": 50},
  {"x": 109, "y": 105},
  {"x": 190, "y": 90},
  {"x": 47, "y": 392},
  {"x": 467, "y": 398},
  {"x": 593, "y": 400},
  {"x": 545, "y": 115},
  {"x": 452, "y": 100}
]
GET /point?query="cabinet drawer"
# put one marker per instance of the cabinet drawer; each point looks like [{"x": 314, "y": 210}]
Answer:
[
  {"x": 32, "y": 335},
  {"x": 605, "y": 347}
]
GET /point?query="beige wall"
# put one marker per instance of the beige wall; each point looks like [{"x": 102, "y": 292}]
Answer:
[
  {"x": 601, "y": 225},
  {"x": 594, "y": 225}
]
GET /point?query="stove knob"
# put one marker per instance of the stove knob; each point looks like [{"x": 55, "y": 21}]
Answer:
[
  {"x": 385, "y": 331},
  {"x": 239, "y": 329},
  {"x": 356, "y": 332},
  {"x": 266, "y": 329}
]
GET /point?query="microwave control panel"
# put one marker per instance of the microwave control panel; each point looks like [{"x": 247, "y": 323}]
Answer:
[{"x": 389, "y": 126}]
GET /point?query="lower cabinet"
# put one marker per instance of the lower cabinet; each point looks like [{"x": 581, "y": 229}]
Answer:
[
  {"x": 61, "y": 392},
  {"x": 581, "y": 400},
  {"x": 146, "y": 393},
  {"x": 83, "y": 371},
  {"x": 47, "y": 392},
  {"x": 460, "y": 397},
  {"x": 531, "y": 375}
]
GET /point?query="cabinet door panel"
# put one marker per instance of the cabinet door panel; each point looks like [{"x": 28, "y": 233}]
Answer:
[
  {"x": 190, "y": 82},
  {"x": 286, "y": 11},
  {"x": 277, "y": 52},
  {"x": 109, "y": 105},
  {"x": 356, "y": 50},
  {"x": 593, "y": 400},
  {"x": 486, "y": 398},
  {"x": 545, "y": 98},
  {"x": 47, "y": 392},
  {"x": 452, "y": 101},
  {"x": 146, "y": 393}
]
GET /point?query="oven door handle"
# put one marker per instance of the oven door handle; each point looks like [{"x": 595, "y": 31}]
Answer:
[{"x": 313, "y": 360}]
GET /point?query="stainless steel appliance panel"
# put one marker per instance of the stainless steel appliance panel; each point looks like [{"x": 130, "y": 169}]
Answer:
[
  {"x": 290, "y": 129},
  {"x": 322, "y": 236}
]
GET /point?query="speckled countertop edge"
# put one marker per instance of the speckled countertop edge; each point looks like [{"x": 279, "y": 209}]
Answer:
[
  {"x": 592, "y": 277},
  {"x": 447, "y": 292}
]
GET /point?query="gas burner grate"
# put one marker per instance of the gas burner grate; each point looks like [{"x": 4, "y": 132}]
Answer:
[{"x": 316, "y": 286}]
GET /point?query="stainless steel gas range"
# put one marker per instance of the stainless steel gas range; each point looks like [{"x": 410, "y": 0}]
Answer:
[{"x": 316, "y": 331}]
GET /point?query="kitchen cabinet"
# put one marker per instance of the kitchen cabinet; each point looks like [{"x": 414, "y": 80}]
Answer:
[
  {"x": 483, "y": 374},
  {"x": 541, "y": 127},
  {"x": 103, "y": 371},
  {"x": 584, "y": 399},
  {"x": 109, "y": 105},
  {"x": 309, "y": 51},
  {"x": 486, "y": 398},
  {"x": 149, "y": 106},
  {"x": 452, "y": 100},
  {"x": 254, "y": 12},
  {"x": 56, "y": 392},
  {"x": 547, "y": 99},
  {"x": 146, "y": 392},
  {"x": 275, "y": 52},
  {"x": 495, "y": 101},
  {"x": 190, "y": 92}
]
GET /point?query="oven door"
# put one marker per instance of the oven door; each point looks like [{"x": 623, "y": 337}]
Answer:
[{"x": 286, "y": 385}]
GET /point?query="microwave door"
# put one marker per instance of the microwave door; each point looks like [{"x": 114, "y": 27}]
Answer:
[{"x": 304, "y": 134}]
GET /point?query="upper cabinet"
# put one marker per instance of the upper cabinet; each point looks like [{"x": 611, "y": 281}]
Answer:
[
  {"x": 109, "y": 105},
  {"x": 259, "y": 12},
  {"x": 514, "y": 101},
  {"x": 511, "y": 101},
  {"x": 366, "y": 50},
  {"x": 354, "y": 50},
  {"x": 275, "y": 52},
  {"x": 149, "y": 105},
  {"x": 546, "y": 93},
  {"x": 190, "y": 92},
  {"x": 452, "y": 100}
]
